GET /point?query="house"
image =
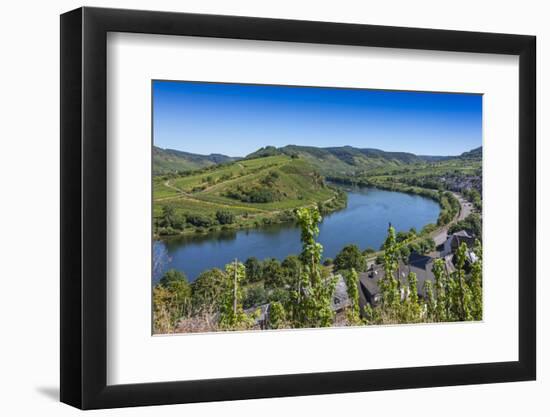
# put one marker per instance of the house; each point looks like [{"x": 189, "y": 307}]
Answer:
[
  {"x": 461, "y": 183},
  {"x": 369, "y": 292},
  {"x": 421, "y": 265},
  {"x": 340, "y": 299},
  {"x": 454, "y": 241}
]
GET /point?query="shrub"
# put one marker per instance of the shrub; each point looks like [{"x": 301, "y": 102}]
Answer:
[
  {"x": 471, "y": 224},
  {"x": 253, "y": 269},
  {"x": 207, "y": 290},
  {"x": 369, "y": 251},
  {"x": 225, "y": 217},
  {"x": 429, "y": 228},
  {"x": 277, "y": 316},
  {"x": 272, "y": 273},
  {"x": 200, "y": 220},
  {"x": 166, "y": 231},
  {"x": 257, "y": 194},
  {"x": 254, "y": 296},
  {"x": 350, "y": 257}
]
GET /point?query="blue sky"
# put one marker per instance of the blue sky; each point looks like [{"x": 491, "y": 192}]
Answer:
[{"x": 237, "y": 119}]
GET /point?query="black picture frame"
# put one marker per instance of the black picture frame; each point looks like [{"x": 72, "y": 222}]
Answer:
[{"x": 84, "y": 207}]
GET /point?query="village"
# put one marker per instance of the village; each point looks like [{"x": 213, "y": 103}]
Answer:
[
  {"x": 447, "y": 242},
  {"x": 367, "y": 283}
]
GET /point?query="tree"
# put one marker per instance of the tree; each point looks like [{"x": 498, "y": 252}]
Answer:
[
  {"x": 429, "y": 228},
  {"x": 441, "y": 302},
  {"x": 401, "y": 236},
  {"x": 311, "y": 296},
  {"x": 474, "y": 197},
  {"x": 225, "y": 217},
  {"x": 277, "y": 316},
  {"x": 350, "y": 257},
  {"x": 352, "y": 313},
  {"x": 207, "y": 291},
  {"x": 389, "y": 285},
  {"x": 411, "y": 308},
  {"x": 404, "y": 253},
  {"x": 175, "y": 282},
  {"x": 369, "y": 251},
  {"x": 476, "y": 283},
  {"x": 200, "y": 220},
  {"x": 462, "y": 296},
  {"x": 471, "y": 224},
  {"x": 429, "y": 244},
  {"x": 272, "y": 273},
  {"x": 254, "y": 295},
  {"x": 171, "y": 301},
  {"x": 430, "y": 300},
  {"x": 451, "y": 297},
  {"x": 424, "y": 246},
  {"x": 328, "y": 262},
  {"x": 172, "y": 276},
  {"x": 162, "y": 316},
  {"x": 253, "y": 269},
  {"x": 292, "y": 267},
  {"x": 279, "y": 294},
  {"x": 456, "y": 297},
  {"x": 168, "y": 216},
  {"x": 232, "y": 315}
]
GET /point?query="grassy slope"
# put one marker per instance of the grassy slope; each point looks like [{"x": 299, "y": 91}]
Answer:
[
  {"x": 169, "y": 160},
  {"x": 205, "y": 191},
  {"x": 347, "y": 161},
  {"x": 344, "y": 160},
  {"x": 433, "y": 169}
]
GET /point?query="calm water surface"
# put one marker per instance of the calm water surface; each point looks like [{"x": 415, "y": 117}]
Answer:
[{"x": 364, "y": 222}]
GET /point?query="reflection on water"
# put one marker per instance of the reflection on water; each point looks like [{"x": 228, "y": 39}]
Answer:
[{"x": 364, "y": 222}]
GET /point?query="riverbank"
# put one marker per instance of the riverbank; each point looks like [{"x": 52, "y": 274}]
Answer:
[
  {"x": 239, "y": 195},
  {"x": 227, "y": 222},
  {"x": 439, "y": 235},
  {"x": 363, "y": 222}
]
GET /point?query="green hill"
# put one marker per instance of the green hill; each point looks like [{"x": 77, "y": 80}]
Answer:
[
  {"x": 476, "y": 153},
  {"x": 252, "y": 192},
  {"x": 344, "y": 160},
  {"x": 347, "y": 160},
  {"x": 210, "y": 192},
  {"x": 171, "y": 160}
]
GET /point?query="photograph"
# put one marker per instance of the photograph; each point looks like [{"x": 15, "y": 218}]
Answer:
[{"x": 278, "y": 207}]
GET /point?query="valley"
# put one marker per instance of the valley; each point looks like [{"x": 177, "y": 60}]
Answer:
[{"x": 265, "y": 187}]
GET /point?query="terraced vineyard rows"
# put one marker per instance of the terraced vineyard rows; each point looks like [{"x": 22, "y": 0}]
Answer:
[{"x": 255, "y": 191}]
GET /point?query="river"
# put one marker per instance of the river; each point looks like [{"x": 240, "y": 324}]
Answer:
[{"x": 364, "y": 222}]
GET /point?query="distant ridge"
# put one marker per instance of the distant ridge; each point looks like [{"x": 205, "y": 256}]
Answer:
[
  {"x": 348, "y": 159},
  {"x": 344, "y": 153},
  {"x": 171, "y": 160},
  {"x": 473, "y": 154},
  {"x": 328, "y": 161}
]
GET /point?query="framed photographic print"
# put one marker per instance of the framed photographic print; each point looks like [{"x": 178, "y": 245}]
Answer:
[{"x": 334, "y": 207}]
